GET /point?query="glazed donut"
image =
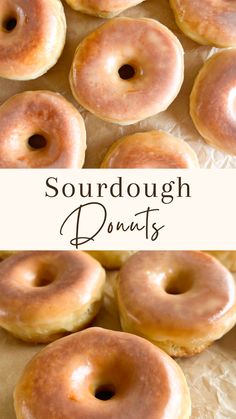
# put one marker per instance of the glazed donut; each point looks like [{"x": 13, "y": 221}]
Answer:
[
  {"x": 41, "y": 129},
  {"x": 102, "y": 8},
  {"x": 228, "y": 258},
  {"x": 181, "y": 301},
  {"x": 112, "y": 259},
  {"x": 45, "y": 295},
  {"x": 208, "y": 22},
  {"x": 102, "y": 374},
  {"x": 213, "y": 101},
  {"x": 127, "y": 70},
  {"x": 154, "y": 149},
  {"x": 32, "y": 37}
]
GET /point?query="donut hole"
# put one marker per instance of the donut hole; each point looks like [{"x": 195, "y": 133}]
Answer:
[
  {"x": 179, "y": 285},
  {"x": 105, "y": 392},
  {"x": 43, "y": 282},
  {"x": 37, "y": 141},
  {"x": 9, "y": 23},
  {"x": 44, "y": 277},
  {"x": 126, "y": 72}
]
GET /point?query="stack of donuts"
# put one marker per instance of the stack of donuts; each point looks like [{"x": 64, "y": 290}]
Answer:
[
  {"x": 124, "y": 71},
  {"x": 171, "y": 304}
]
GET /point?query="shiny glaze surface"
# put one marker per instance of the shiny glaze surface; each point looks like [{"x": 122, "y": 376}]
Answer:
[
  {"x": 153, "y": 149},
  {"x": 50, "y": 115},
  {"x": 47, "y": 293},
  {"x": 36, "y": 42},
  {"x": 185, "y": 297},
  {"x": 149, "y": 48},
  {"x": 213, "y": 101},
  {"x": 209, "y": 22},
  {"x": 227, "y": 257},
  {"x": 102, "y": 8},
  {"x": 63, "y": 378}
]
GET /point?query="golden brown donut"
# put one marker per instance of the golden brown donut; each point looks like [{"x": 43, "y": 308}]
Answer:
[
  {"x": 102, "y": 8},
  {"x": 227, "y": 257},
  {"x": 153, "y": 149},
  {"x": 5, "y": 254},
  {"x": 45, "y": 295},
  {"x": 127, "y": 70},
  {"x": 213, "y": 101},
  {"x": 208, "y": 22},
  {"x": 112, "y": 259},
  {"x": 41, "y": 129},
  {"x": 32, "y": 37},
  {"x": 181, "y": 301},
  {"x": 102, "y": 374}
]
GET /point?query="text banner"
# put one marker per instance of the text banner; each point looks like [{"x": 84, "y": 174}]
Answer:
[{"x": 104, "y": 209}]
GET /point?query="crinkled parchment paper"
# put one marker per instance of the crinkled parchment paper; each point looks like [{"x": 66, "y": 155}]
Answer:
[
  {"x": 211, "y": 375},
  {"x": 101, "y": 135}
]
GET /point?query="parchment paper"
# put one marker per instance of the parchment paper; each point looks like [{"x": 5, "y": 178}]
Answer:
[
  {"x": 101, "y": 135},
  {"x": 211, "y": 375}
]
